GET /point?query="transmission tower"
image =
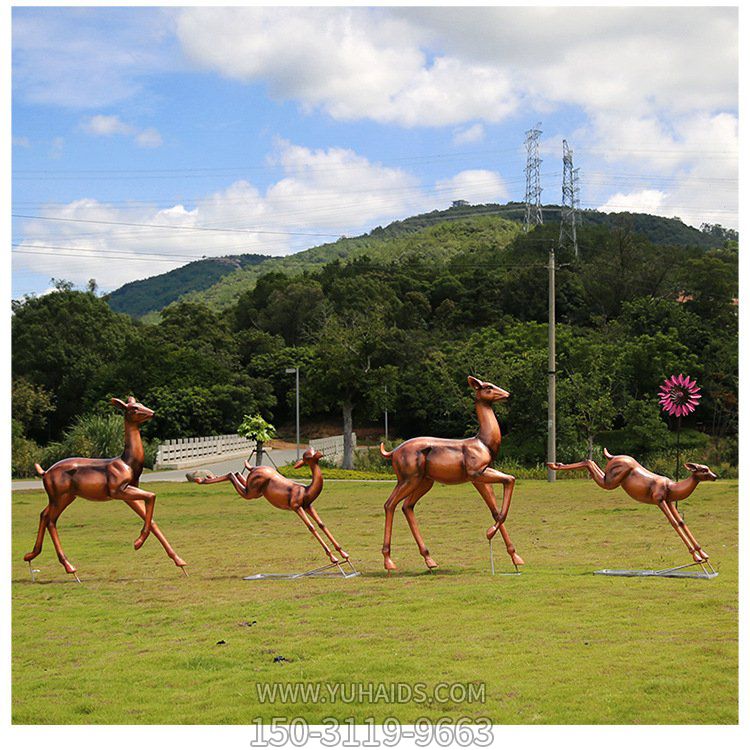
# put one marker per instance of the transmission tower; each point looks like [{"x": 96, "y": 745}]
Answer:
[
  {"x": 533, "y": 186},
  {"x": 569, "y": 211}
]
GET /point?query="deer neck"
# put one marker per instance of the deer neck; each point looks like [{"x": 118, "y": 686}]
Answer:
[
  {"x": 133, "y": 454},
  {"x": 489, "y": 429},
  {"x": 313, "y": 489},
  {"x": 682, "y": 489}
]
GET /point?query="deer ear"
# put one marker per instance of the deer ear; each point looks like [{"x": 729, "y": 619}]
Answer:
[
  {"x": 119, "y": 404},
  {"x": 690, "y": 466},
  {"x": 474, "y": 383}
]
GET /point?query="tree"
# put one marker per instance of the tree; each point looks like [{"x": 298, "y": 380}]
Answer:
[{"x": 254, "y": 427}]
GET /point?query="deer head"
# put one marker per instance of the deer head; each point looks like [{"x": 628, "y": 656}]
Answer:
[
  {"x": 309, "y": 457},
  {"x": 484, "y": 391},
  {"x": 135, "y": 412},
  {"x": 700, "y": 472}
]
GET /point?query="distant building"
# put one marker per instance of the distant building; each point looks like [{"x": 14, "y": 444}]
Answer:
[{"x": 458, "y": 204}]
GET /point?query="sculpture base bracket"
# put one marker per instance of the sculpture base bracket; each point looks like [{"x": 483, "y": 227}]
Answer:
[
  {"x": 707, "y": 571},
  {"x": 516, "y": 572},
  {"x": 332, "y": 570}
]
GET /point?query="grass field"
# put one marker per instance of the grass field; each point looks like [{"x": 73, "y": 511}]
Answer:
[{"x": 139, "y": 643}]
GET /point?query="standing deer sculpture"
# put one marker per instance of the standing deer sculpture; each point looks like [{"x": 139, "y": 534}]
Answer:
[
  {"x": 422, "y": 461},
  {"x": 284, "y": 493},
  {"x": 101, "y": 479},
  {"x": 647, "y": 487}
]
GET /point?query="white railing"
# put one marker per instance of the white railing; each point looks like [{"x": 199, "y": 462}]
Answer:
[
  {"x": 332, "y": 448},
  {"x": 189, "y": 451}
]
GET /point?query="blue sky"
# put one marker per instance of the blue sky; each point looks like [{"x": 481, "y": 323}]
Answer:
[{"x": 144, "y": 138}]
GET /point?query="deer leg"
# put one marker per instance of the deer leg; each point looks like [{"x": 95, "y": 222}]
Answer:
[
  {"x": 324, "y": 529},
  {"x": 301, "y": 513},
  {"x": 54, "y": 514},
  {"x": 488, "y": 495},
  {"x": 596, "y": 472},
  {"x": 676, "y": 515},
  {"x": 493, "y": 476},
  {"x": 139, "y": 508},
  {"x": 129, "y": 492},
  {"x": 43, "y": 516},
  {"x": 411, "y": 519},
  {"x": 692, "y": 548},
  {"x": 400, "y": 491}
]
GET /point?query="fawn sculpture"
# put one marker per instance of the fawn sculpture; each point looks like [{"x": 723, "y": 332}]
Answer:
[
  {"x": 422, "y": 461},
  {"x": 102, "y": 479},
  {"x": 647, "y": 487},
  {"x": 284, "y": 493}
]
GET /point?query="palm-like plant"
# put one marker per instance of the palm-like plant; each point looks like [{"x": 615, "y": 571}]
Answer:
[{"x": 254, "y": 427}]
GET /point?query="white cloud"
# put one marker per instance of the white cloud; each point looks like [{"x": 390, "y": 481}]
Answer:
[
  {"x": 472, "y": 134},
  {"x": 643, "y": 201},
  {"x": 351, "y": 63},
  {"x": 111, "y": 125},
  {"x": 440, "y": 66},
  {"x": 106, "y": 125},
  {"x": 321, "y": 195},
  {"x": 57, "y": 146},
  {"x": 22, "y": 141}
]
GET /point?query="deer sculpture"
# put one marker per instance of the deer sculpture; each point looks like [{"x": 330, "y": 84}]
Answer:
[
  {"x": 101, "y": 479},
  {"x": 284, "y": 493},
  {"x": 647, "y": 487},
  {"x": 422, "y": 461}
]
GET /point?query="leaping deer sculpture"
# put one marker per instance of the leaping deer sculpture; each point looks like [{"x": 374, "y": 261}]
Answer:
[
  {"x": 284, "y": 493},
  {"x": 647, "y": 487},
  {"x": 422, "y": 461},
  {"x": 102, "y": 479}
]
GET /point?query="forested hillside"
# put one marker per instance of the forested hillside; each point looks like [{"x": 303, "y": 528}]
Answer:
[
  {"x": 219, "y": 281},
  {"x": 402, "y": 324}
]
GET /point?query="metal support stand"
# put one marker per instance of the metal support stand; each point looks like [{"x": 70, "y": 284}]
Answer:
[
  {"x": 492, "y": 565},
  {"x": 263, "y": 452},
  {"x": 707, "y": 571},
  {"x": 325, "y": 571}
]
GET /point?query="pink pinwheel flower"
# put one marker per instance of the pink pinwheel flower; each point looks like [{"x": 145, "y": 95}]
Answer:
[{"x": 679, "y": 395}]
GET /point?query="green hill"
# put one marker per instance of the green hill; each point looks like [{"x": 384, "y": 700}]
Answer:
[{"x": 436, "y": 235}]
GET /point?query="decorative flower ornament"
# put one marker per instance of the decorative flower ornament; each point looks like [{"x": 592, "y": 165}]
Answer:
[{"x": 679, "y": 395}]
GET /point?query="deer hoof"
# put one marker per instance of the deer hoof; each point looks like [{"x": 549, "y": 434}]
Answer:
[
  {"x": 69, "y": 568},
  {"x": 429, "y": 562},
  {"x": 138, "y": 543},
  {"x": 29, "y": 556},
  {"x": 705, "y": 556},
  {"x": 178, "y": 561},
  {"x": 343, "y": 554},
  {"x": 334, "y": 559},
  {"x": 389, "y": 565},
  {"x": 492, "y": 531},
  {"x": 697, "y": 556},
  {"x": 517, "y": 559}
]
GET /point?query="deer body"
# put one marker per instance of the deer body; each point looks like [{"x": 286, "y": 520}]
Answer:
[
  {"x": 422, "y": 461},
  {"x": 283, "y": 493},
  {"x": 646, "y": 487},
  {"x": 101, "y": 479}
]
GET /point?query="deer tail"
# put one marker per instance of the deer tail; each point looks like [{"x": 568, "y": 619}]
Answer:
[
  {"x": 607, "y": 454},
  {"x": 384, "y": 453},
  {"x": 39, "y": 470}
]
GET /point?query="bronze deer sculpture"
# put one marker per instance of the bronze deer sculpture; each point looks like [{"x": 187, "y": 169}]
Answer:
[
  {"x": 647, "y": 487},
  {"x": 422, "y": 461},
  {"x": 101, "y": 479},
  {"x": 284, "y": 493}
]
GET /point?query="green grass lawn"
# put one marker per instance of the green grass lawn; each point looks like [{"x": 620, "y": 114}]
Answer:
[{"x": 138, "y": 642}]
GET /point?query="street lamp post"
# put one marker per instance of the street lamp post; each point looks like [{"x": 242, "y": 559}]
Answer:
[{"x": 295, "y": 370}]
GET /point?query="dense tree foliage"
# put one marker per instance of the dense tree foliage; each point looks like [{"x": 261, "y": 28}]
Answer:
[{"x": 404, "y": 330}]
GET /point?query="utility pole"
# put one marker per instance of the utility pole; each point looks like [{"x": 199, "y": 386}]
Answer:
[
  {"x": 551, "y": 372},
  {"x": 386, "y": 414},
  {"x": 533, "y": 197},
  {"x": 296, "y": 371},
  {"x": 569, "y": 210}
]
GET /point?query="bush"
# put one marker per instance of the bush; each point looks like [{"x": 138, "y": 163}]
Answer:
[{"x": 24, "y": 452}]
